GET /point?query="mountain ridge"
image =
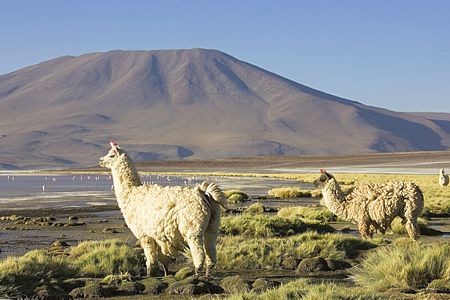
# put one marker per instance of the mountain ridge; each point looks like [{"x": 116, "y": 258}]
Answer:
[{"x": 205, "y": 102}]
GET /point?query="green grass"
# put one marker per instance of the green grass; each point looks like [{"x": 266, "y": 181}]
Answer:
[
  {"x": 405, "y": 264},
  {"x": 310, "y": 213},
  {"x": 35, "y": 267},
  {"x": 101, "y": 258},
  {"x": 269, "y": 226},
  {"x": 307, "y": 290},
  {"x": 236, "y": 196},
  {"x": 241, "y": 252}
]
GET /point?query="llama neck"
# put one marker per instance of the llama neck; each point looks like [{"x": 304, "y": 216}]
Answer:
[
  {"x": 125, "y": 178},
  {"x": 334, "y": 199}
]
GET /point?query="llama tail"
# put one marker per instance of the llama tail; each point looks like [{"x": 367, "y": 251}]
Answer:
[{"x": 212, "y": 190}]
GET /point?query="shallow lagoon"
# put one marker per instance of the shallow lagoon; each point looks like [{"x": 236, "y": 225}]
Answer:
[{"x": 25, "y": 191}]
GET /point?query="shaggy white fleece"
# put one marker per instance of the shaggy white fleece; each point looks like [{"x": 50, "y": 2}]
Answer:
[
  {"x": 374, "y": 206},
  {"x": 167, "y": 220}
]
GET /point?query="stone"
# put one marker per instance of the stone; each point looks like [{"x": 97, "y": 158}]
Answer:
[
  {"x": 235, "y": 285},
  {"x": 59, "y": 244},
  {"x": 49, "y": 292},
  {"x": 334, "y": 264},
  {"x": 73, "y": 283},
  {"x": 153, "y": 286},
  {"x": 130, "y": 288},
  {"x": 316, "y": 264},
  {"x": 183, "y": 273},
  {"x": 290, "y": 263},
  {"x": 261, "y": 285}
]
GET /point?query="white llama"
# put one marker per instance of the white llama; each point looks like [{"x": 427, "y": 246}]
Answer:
[
  {"x": 167, "y": 220},
  {"x": 443, "y": 178},
  {"x": 374, "y": 206}
]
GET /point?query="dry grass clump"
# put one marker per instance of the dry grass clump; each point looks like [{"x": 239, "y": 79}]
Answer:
[
  {"x": 239, "y": 252},
  {"x": 101, "y": 258},
  {"x": 406, "y": 265},
  {"x": 289, "y": 192},
  {"x": 35, "y": 267},
  {"x": 236, "y": 196},
  {"x": 310, "y": 213},
  {"x": 269, "y": 226}
]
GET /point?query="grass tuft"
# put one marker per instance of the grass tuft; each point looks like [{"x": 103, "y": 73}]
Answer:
[
  {"x": 236, "y": 196},
  {"x": 239, "y": 252},
  {"x": 310, "y": 213},
  {"x": 101, "y": 258},
  {"x": 37, "y": 266},
  {"x": 289, "y": 192},
  {"x": 269, "y": 226},
  {"x": 406, "y": 264}
]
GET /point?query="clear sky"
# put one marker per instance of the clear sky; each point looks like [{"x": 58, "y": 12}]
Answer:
[{"x": 388, "y": 53}]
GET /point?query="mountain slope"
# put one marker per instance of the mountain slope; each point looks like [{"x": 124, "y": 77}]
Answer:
[{"x": 198, "y": 103}]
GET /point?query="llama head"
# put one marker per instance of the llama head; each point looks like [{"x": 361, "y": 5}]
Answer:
[
  {"x": 442, "y": 171},
  {"x": 115, "y": 156},
  {"x": 323, "y": 178}
]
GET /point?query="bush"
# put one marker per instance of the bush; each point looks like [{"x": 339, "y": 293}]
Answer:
[
  {"x": 35, "y": 267},
  {"x": 236, "y": 196},
  {"x": 310, "y": 213},
  {"x": 406, "y": 264},
  {"x": 101, "y": 258},
  {"x": 269, "y": 226}
]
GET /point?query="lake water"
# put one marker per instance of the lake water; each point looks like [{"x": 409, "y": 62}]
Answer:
[{"x": 24, "y": 191}]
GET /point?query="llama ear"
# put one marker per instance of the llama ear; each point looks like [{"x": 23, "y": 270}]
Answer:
[
  {"x": 114, "y": 144},
  {"x": 322, "y": 171}
]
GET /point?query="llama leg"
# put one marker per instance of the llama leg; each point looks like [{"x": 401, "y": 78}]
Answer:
[
  {"x": 198, "y": 253},
  {"x": 364, "y": 229},
  {"x": 151, "y": 256},
  {"x": 412, "y": 227},
  {"x": 210, "y": 250}
]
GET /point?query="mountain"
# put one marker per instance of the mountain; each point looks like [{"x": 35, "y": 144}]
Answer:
[{"x": 197, "y": 103}]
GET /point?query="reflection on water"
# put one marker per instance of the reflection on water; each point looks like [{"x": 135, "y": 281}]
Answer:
[{"x": 42, "y": 191}]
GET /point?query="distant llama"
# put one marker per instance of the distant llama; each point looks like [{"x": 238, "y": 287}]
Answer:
[
  {"x": 374, "y": 206},
  {"x": 167, "y": 220},
  {"x": 443, "y": 178}
]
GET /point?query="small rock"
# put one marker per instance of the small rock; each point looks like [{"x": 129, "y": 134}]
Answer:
[
  {"x": 290, "y": 263},
  {"x": 71, "y": 284},
  {"x": 73, "y": 218},
  {"x": 130, "y": 288},
  {"x": 235, "y": 285},
  {"x": 49, "y": 292},
  {"x": 316, "y": 264},
  {"x": 153, "y": 286},
  {"x": 59, "y": 244},
  {"x": 183, "y": 273},
  {"x": 93, "y": 290},
  {"x": 261, "y": 285},
  {"x": 109, "y": 230},
  {"x": 334, "y": 264}
]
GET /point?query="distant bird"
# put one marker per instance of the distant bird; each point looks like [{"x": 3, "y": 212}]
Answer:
[
  {"x": 73, "y": 178},
  {"x": 54, "y": 179},
  {"x": 43, "y": 188},
  {"x": 443, "y": 178}
]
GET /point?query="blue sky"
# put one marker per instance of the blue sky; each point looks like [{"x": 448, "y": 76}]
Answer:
[{"x": 388, "y": 53}]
